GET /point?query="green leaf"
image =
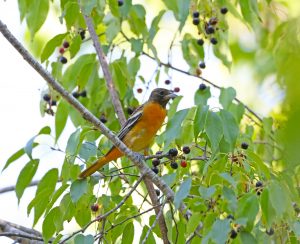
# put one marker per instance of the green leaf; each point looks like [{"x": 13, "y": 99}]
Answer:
[
  {"x": 268, "y": 211},
  {"x": 61, "y": 117},
  {"x": 128, "y": 234},
  {"x": 258, "y": 163},
  {"x": 226, "y": 97},
  {"x": 154, "y": 26},
  {"x": 296, "y": 228},
  {"x": 50, "y": 46},
  {"x": 67, "y": 207},
  {"x": 230, "y": 128},
  {"x": 113, "y": 27},
  {"x": 247, "y": 238},
  {"x": 174, "y": 126},
  {"x": 169, "y": 179},
  {"x": 230, "y": 197},
  {"x": 173, "y": 107},
  {"x": 81, "y": 239},
  {"x": 78, "y": 188},
  {"x": 220, "y": 230},
  {"x": 52, "y": 223},
  {"x": 207, "y": 192},
  {"x": 136, "y": 20},
  {"x": 214, "y": 130},
  {"x": 37, "y": 12},
  {"x": 26, "y": 176},
  {"x": 73, "y": 142},
  {"x": 192, "y": 52},
  {"x": 200, "y": 119},
  {"x": 87, "y": 6},
  {"x": 193, "y": 223},
  {"x": 136, "y": 45},
  {"x": 16, "y": 156},
  {"x": 182, "y": 192},
  {"x": 201, "y": 97},
  {"x": 120, "y": 75},
  {"x": 150, "y": 239},
  {"x": 56, "y": 195},
  {"x": 228, "y": 178},
  {"x": 75, "y": 45}
]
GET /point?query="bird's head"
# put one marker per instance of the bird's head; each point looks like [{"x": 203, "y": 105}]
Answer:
[{"x": 162, "y": 96}]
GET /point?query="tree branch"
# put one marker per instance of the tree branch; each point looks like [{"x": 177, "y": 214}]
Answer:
[
  {"x": 86, "y": 114},
  {"x": 107, "y": 75}
]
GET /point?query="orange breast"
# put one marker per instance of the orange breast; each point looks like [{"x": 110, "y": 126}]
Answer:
[{"x": 143, "y": 133}]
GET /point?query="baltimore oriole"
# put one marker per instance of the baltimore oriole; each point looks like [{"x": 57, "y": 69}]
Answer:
[{"x": 139, "y": 130}]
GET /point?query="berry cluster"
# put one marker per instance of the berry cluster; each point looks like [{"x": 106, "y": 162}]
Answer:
[
  {"x": 207, "y": 27},
  {"x": 50, "y": 102},
  {"x": 172, "y": 155},
  {"x": 78, "y": 94}
]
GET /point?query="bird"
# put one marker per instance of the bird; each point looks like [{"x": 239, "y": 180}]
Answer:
[{"x": 139, "y": 130}]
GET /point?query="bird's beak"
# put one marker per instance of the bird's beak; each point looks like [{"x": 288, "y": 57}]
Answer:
[{"x": 171, "y": 95}]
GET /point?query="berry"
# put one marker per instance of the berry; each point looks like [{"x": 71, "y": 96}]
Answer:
[
  {"x": 155, "y": 170},
  {"x": 270, "y": 231},
  {"x": 210, "y": 29},
  {"x": 83, "y": 93},
  {"x": 183, "y": 164},
  {"x": 63, "y": 60},
  {"x": 200, "y": 42},
  {"x": 202, "y": 87},
  {"x": 198, "y": 71},
  {"x": 139, "y": 90},
  {"x": 103, "y": 119},
  {"x": 196, "y": 14},
  {"x": 167, "y": 82},
  {"x": 66, "y": 44},
  {"x": 95, "y": 207},
  {"x": 173, "y": 152},
  {"x": 258, "y": 184},
  {"x": 213, "y": 21},
  {"x": 120, "y": 3},
  {"x": 176, "y": 89},
  {"x": 244, "y": 145},
  {"x": 61, "y": 50},
  {"x": 224, "y": 10},
  {"x": 159, "y": 153},
  {"x": 213, "y": 41},
  {"x": 53, "y": 103},
  {"x": 186, "y": 149},
  {"x": 174, "y": 165},
  {"x": 202, "y": 65},
  {"x": 196, "y": 21},
  {"x": 47, "y": 97},
  {"x": 155, "y": 162},
  {"x": 233, "y": 234},
  {"x": 230, "y": 216},
  {"x": 76, "y": 94},
  {"x": 157, "y": 192},
  {"x": 82, "y": 34}
]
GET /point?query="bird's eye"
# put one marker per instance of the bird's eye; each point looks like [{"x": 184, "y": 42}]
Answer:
[{"x": 162, "y": 93}]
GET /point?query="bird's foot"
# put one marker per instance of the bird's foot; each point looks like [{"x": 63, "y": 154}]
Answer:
[{"x": 139, "y": 157}]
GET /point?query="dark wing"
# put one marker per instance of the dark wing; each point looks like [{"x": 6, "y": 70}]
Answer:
[{"x": 130, "y": 122}]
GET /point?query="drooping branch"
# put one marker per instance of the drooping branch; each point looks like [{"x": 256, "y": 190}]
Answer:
[{"x": 86, "y": 114}]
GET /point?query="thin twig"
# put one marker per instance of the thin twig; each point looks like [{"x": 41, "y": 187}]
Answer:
[
  {"x": 154, "y": 223},
  {"x": 22, "y": 235}
]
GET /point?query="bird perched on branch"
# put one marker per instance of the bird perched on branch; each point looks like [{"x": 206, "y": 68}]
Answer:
[{"x": 139, "y": 130}]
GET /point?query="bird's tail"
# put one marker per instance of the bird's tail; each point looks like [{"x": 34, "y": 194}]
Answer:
[{"x": 110, "y": 156}]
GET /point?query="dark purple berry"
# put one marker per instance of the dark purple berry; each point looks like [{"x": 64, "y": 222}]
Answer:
[
  {"x": 53, "y": 103},
  {"x": 155, "y": 162},
  {"x": 196, "y": 21},
  {"x": 200, "y": 42},
  {"x": 233, "y": 234},
  {"x": 83, "y": 93},
  {"x": 63, "y": 60},
  {"x": 66, "y": 44},
  {"x": 82, "y": 34},
  {"x": 202, "y": 65},
  {"x": 230, "y": 216},
  {"x": 167, "y": 82},
  {"x": 46, "y": 97},
  {"x": 224, "y": 10},
  {"x": 258, "y": 184},
  {"x": 95, "y": 207},
  {"x": 103, "y": 119},
  {"x": 202, "y": 87},
  {"x": 186, "y": 150},
  {"x": 159, "y": 153},
  {"x": 173, "y": 152},
  {"x": 244, "y": 145},
  {"x": 157, "y": 192},
  {"x": 210, "y": 29},
  {"x": 174, "y": 165},
  {"x": 213, "y": 21},
  {"x": 196, "y": 14},
  {"x": 120, "y": 3},
  {"x": 270, "y": 232},
  {"x": 76, "y": 94},
  {"x": 213, "y": 41}
]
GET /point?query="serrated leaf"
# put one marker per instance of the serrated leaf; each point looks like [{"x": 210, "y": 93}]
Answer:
[
  {"x": 81, "y": 239},
  {"x": 128, "y": 234},
  {"x": 182, "y": 192},
  {"x": 78, "y": 188},
  {"x": 214, "y": 130},
  {"x": 25, "y": 177},
  {"x": 226, "y": 97},
  {"x": 61, "y": 117},
  {"x": 50, "y": 46}
]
